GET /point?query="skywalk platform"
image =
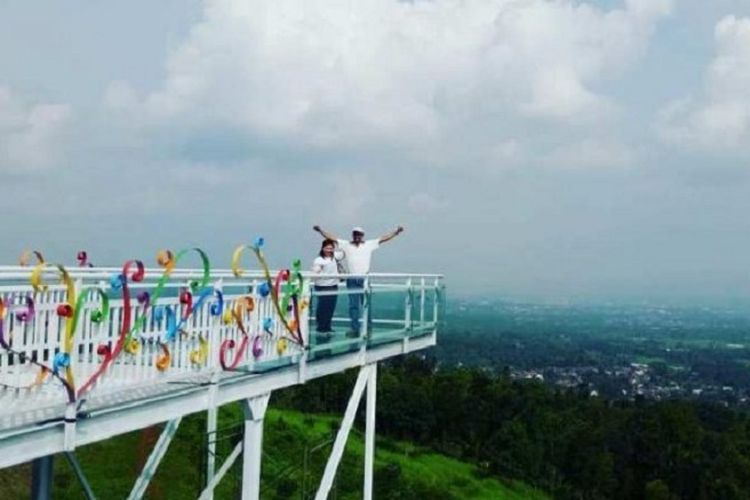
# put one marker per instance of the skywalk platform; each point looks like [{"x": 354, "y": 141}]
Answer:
[{"x": 89, "y": 353}]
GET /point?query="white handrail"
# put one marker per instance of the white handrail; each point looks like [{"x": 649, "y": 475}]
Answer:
[
  {"x": 20, "y": 272},
  {"x": 39, "y": 335}
]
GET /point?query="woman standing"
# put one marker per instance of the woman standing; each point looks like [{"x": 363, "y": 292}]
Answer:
[{"x": 325, "y": 265}]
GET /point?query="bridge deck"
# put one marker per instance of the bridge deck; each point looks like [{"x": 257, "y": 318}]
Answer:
[{"x": 31, "y": 433}]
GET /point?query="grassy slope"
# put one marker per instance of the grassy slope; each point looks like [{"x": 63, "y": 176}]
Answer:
[
  {"x": 401, "y": 470},
  {"x": 401, "y": 467}
]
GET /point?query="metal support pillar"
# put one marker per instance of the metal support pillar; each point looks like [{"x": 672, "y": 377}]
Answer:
[
  {"x": 41, "y": 478},
  {"x": 211, "y": 448},
  {"x": 255, "y": 412},
  {"x": 346, "y": 425},
  {"x": 372, "y": 380}
]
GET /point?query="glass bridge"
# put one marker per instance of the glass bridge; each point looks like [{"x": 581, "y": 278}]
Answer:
[{"x": 87, "y": 353}]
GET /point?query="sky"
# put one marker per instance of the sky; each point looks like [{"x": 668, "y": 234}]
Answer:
[{"x": 536, "y": 149}]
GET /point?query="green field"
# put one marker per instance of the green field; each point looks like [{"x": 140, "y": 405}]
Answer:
[{"x": 401, "y": 470}]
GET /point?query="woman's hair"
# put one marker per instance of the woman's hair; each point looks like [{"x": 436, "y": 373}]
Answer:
[{"x": 326, "y": 242}]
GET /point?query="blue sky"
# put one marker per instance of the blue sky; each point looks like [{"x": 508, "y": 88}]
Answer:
[{"x": 532, "y": 148}]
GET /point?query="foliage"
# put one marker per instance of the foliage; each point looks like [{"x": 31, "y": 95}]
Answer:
[
  {"x": 402, "y": 471},
  {"x": 567, "y": 443}
]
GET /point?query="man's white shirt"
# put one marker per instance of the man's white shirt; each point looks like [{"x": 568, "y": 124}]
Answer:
[{"x": 358, "y": 257}]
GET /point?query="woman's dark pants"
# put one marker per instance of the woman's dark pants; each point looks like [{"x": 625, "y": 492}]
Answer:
[{"x": 325, "y": 307}]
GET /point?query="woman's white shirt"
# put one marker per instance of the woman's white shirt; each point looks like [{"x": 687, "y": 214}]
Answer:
[{"x": 325, "y": 267}]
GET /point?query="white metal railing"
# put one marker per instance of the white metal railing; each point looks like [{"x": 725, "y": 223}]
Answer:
[{"x": 66, "y": 334}]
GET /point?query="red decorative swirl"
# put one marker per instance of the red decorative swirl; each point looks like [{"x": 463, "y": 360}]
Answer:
[
  {"x": 133, "y": 270},
  {"x": 230, "y": 344}
]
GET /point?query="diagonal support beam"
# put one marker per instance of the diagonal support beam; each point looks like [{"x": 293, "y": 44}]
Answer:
[
  {"x": 73, "y": 461},
  {"x": 209, "y": 491},
  {"x": 160, "y": 449},
  {"x": 343, "y": 433}
]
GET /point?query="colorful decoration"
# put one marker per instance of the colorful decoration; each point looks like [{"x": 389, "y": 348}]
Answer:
[
  {"x": 281, "y": 346},
  {"x": 200, "y": 355},
  {"x": 133, "y": 270},
  {"x": 285, "y": 294},
  {"x": 24, "y": 316},
  {"x": 242, "y": 308},
  {"x": 293, "y": 285},
  {"x": 229, "y": 344},
  {"x": 83, "y": 259},
  {"x": 26, "y": 257}
]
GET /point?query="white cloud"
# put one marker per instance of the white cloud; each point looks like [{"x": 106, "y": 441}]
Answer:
[
  {"x": 424, "y": 204},
  {"x": 719, "y": 120},
  {"x": 30, "y": 135},
  {"x": 352, "y": 193},
  {"x": 590, "y": 153},
  {"x": 339, "y": 74},
  {"x": 119, "y": 96}
]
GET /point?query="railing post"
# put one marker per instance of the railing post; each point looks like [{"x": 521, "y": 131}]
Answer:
[
  {"x": 255, "y": 318},
  {"x": 364, "y": 325},
  {"x": 252, "y": 447},
  {"x": 75, "y": 351},
  {"x": 408, "y": 305},
  {"x": 215, "y": 342},
  {"x": 435, "y": 306},
  {"x": 306, "y": 336},
  {"x": 306, "y": 299},
  {"x": 421, "y": 302},
  {"x": 69, "y": 436}
]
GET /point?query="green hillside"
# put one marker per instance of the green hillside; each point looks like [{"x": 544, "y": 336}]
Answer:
[{"x": 402, "y": 470}]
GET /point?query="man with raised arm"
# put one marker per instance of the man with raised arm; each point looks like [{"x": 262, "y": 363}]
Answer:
[{"x": 358, "y": 255}]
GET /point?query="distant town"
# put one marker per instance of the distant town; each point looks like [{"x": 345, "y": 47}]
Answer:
[{"x": 614, "y": 351}]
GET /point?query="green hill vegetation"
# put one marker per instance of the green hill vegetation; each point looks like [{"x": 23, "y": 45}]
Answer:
[
  {"x": 402, "y": 470},
  {"x": 562, "y": 441},
  {"x": 449, "y": 433}
]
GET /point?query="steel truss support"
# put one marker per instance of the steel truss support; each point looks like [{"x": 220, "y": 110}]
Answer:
[
  {"x": 208, "y": 493},
  {"x": 160, "y": 449},
  {"x": 211, "y": 419},
  {"x": 255, "y": 412},
  {"x": 73, "y": 461},
  {"x": 211, "y": 448},
  {"x": 42, "y": 474},
  {"x": 41, "y": 477},
  {"x": 251, "y": 447},
  {"x": 372, "y": 380},
  {"x": 366, "y": 378}
]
